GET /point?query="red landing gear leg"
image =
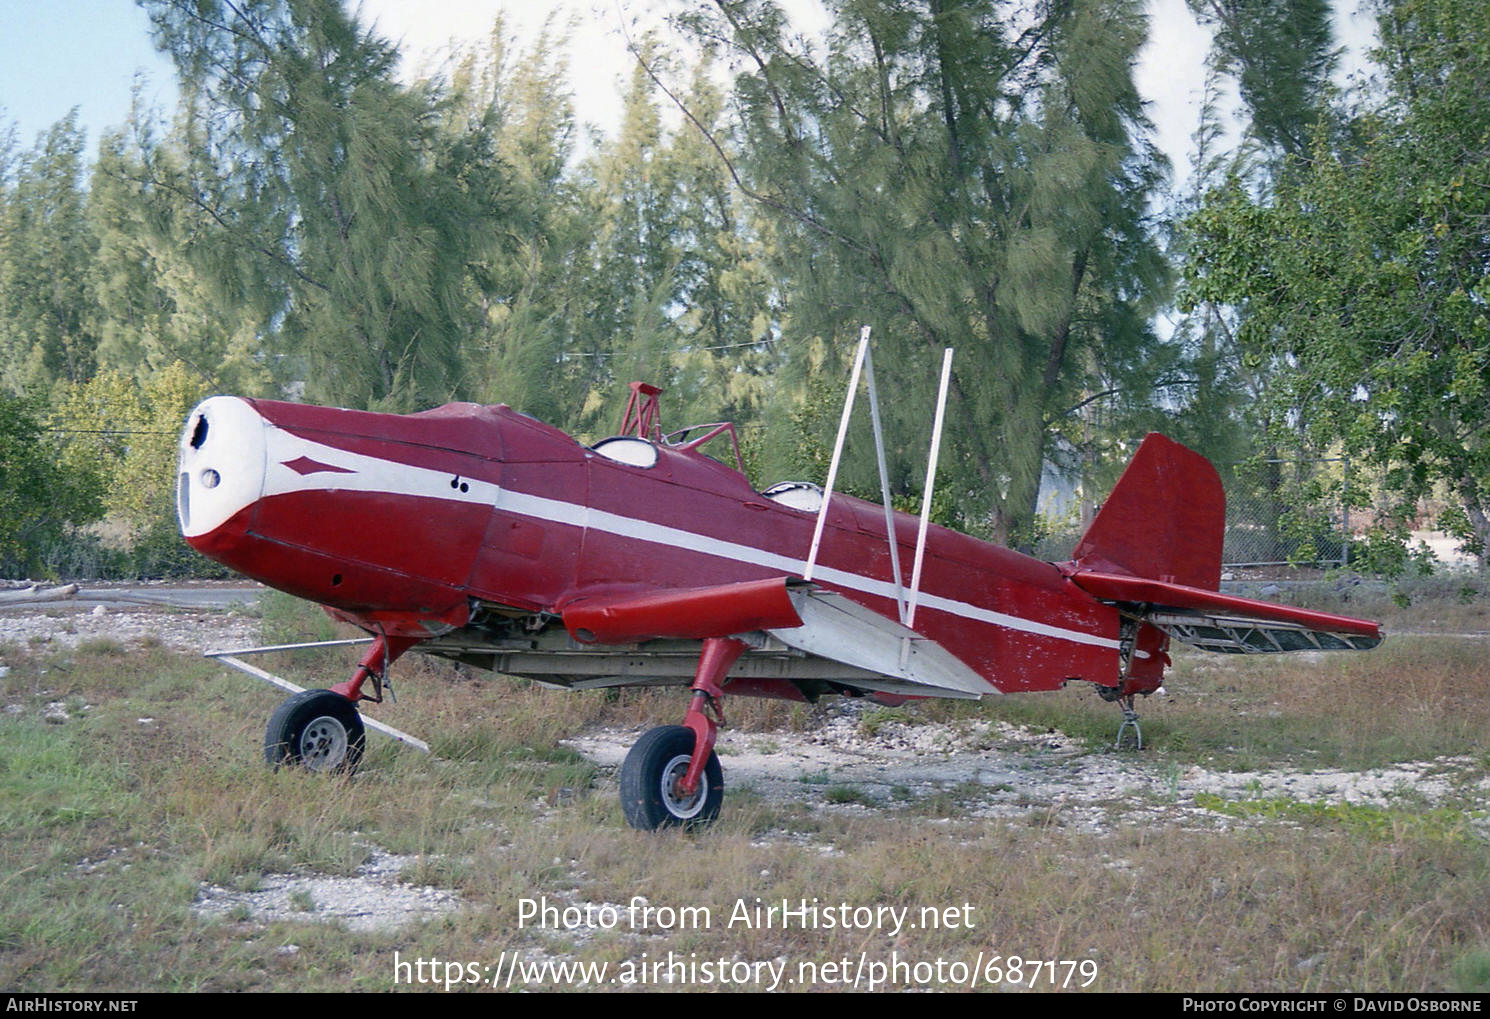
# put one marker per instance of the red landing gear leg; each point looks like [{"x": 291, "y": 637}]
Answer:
[
  {"x": 672, "y": 775},
  {"x": 706, "y": 709},
  {"x": 374, "y": 666}
]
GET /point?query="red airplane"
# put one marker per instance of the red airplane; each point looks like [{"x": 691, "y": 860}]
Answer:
[{"x": 480, "y": 534}]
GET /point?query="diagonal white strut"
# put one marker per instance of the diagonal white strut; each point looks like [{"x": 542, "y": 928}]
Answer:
[
  {"x": 848, "y": 406},
  {"x": 936, "y": 448}
]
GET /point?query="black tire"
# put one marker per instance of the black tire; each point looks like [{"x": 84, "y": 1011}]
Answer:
[
  {"x": 317, "y": 730},
  {"x": 657, "y": 761}
]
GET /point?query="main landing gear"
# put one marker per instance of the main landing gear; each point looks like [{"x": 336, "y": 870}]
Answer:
[
  {"x": 321, "y": 730},
  {"x": 672, "y": 776}
]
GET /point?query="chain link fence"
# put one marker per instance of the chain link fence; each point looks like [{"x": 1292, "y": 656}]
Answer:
[{"x": 1287, "y": 513}]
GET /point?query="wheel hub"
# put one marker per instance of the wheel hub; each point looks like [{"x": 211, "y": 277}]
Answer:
[
  {"x": 323, "y": 744},
  {"x": 680, "y": 804}
]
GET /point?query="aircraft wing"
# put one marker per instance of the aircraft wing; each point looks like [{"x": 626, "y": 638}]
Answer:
[
  {"x": 1222, "y": 622},
  {"x": 880, "y": 654}
]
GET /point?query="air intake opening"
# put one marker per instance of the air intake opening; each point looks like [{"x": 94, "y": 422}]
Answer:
[
  {"x": 199, "y": 433},
  {"x": 183, "y": 500}
]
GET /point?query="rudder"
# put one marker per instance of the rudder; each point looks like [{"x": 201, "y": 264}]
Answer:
[{"x": 1165, "y": 519}]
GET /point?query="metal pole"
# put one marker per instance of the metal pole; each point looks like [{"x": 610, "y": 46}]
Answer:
[{"x": 879, "y": 452}]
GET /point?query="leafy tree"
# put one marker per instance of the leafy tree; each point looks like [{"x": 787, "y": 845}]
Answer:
[
  {"x": 124, "y": 428},
  {"x": 1281, "y": 54},
  {"x": 46, "y": 249},
  {"x": 43, "y": 495},
  {"x": 678, "y": 293},
  {"x": 1363, "y": 279},
  {"x": 155, "y": 306}
]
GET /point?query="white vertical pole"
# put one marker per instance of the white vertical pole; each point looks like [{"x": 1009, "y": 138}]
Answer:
[
  {"x": 848, "y": 406},
  {"x": 879, "y": 452},
  {"x": 936, "y": 448}
]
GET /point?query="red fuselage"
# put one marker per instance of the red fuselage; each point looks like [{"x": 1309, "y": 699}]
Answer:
[{"x": 408, "y": 521}]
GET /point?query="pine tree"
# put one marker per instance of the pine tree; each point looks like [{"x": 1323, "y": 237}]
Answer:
[
  {"x": 46, "y": 250},
  {"x": 363, "y": 219},
  {"x": 957, "y": 177}
]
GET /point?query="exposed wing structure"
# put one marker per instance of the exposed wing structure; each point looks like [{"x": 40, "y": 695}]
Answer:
[{"x": 1221, "y": 622}]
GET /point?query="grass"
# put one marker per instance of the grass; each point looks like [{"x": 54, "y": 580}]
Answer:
[{"x": 109, "y": 826}]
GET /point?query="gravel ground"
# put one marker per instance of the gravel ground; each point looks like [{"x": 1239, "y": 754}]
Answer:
[
  {"x": 373, "y": 899},
  {"x": 69, "y": 623},
  {"x": 1003, "y": 770}
]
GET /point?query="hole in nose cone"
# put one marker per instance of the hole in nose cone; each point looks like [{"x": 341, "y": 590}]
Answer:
[
  {"x": 210, "y": 478},
  {"x": 199, "y": 433}
]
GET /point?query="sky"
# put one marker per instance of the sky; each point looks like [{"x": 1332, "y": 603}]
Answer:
[{"x": 59, "y": 54}]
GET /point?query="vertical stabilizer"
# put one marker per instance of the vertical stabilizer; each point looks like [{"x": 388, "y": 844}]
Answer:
[{"x": 1165, "y": 519}]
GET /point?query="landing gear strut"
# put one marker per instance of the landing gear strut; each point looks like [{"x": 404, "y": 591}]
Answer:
[
  {"x": 1124, "y": 701},
  {"x": 1130, "y": 719},
  {"x": 672, "y": 776}
]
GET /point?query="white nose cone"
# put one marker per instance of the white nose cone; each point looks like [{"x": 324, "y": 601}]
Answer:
[{"x": 221, "y": 463}]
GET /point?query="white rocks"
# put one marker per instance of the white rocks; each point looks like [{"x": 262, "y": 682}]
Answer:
[
  {"x": 181, "y": 631},
  {"x": 1006, "y": 771},
  {"x": 372, "y": 899}
]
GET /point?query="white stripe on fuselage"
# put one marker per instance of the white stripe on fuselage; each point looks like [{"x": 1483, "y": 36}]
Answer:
[{"x": 372, "y": 474}]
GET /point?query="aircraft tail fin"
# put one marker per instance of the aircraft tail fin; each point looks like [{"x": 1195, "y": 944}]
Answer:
[{"x": 1165, "y": 519}]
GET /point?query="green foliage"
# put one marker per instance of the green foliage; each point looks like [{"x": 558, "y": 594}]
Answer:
[
  {"x": 1281, "y": 56},
  {"x": 1375, "y": 822},
  {"x": 1362, "y": 278},
  {"x": 333, "y": 192},
  {"x": 43, "y": 495},
  {"x": 124, "y": 431},
  {"x": 1471, "y": 972},
  {"x": 157, "y": 301},
  {"x": 46, "y": 322}
]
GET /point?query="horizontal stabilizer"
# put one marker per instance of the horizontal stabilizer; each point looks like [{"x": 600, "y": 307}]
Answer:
[{"x": 1222, "y": 622}]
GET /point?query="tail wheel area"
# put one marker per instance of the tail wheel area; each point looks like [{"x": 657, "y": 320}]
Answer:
[
  {"x": 318, "y": 730},
  {"x": 651, "y": 782}
]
